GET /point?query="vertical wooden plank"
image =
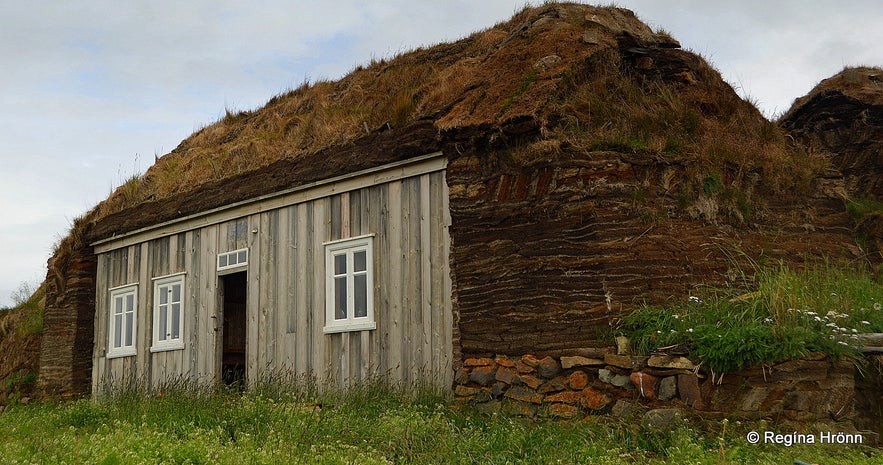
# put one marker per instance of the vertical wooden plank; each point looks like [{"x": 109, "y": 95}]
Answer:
[
  {"x": 334, "y": 218},
  {"x": 173, "y": 255},
  {"x": 343, "y": 355},
  {"x": 303, "y": 290},
  {"x": 284, "y": 274},
  {"x": 321, "y": 233},
  {"x": 378, "y": 223},
  {"x": 355, "y": 212},
  {"x": 102, "y": 277},
  {"x": 191, "y": 317},
  {"x": 425, "y": 260},
  {"x": 393, "y": 274},
  {"x": 360, "y": 215},
  {"x": 345, "y": 215},
  {"x": 448, "y": 325},
  {"x": 208, "y": 302},
  {"x": 268, "y": 269},
  {"x": 144, "y": 318},
  {"x": 413, "y": 347},
  {"x": 253, "y": 309}
]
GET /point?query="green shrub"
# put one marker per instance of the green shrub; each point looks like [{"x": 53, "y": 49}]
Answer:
[{"x": 785, "y": 315}]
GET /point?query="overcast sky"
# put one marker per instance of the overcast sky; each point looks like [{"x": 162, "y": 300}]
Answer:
[{"x": 91, "y": 91}]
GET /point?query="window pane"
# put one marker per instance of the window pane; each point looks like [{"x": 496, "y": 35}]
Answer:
[
  {"x": 117, "y": 305},
  {"x": 340, "y": 298},
  {"x": 130, "y": 303},
  {"x": 176, "y": 293},
  {"x": 118, "y": 330},
  {"x": 176, "y": 321},
  {"x": 222, "y": 261},
  {"x": 163, "y": 322},
  {"x": 130, "y": 328},
  {"x": 163, "y": 295},
  {"x": 361, "y": 297},
  {"x": 340, "y": 264},
  {"x": 360, "y": 260},
  {"x": 240, "y": 257}
]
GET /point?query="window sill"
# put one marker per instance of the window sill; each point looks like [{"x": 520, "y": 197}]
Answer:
[
  {"x": 167, "y": 347},
  {"x": 347, "y": 327},
  {"x": 120, "y": 353}
]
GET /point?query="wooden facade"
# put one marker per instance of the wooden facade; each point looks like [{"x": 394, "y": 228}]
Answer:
[{"x": 282, "y": 287}]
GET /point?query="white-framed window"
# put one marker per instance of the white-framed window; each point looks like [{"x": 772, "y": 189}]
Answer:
[
  {"x": 349, "y": 285},
  {"x": 121, "y": 328},
  {"x": 168, "y": 313},
  {"x": 233, "y": 259}
]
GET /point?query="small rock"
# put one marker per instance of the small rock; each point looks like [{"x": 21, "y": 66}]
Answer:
[
  {"x": 661, "y": 419},
  {"x": 548, "y": 368},
  {"x": 624, "y": 409},
  {"x": 462, "y": 376},
  {"x": 578, "y": 380},
  {"x": 606, "y": 375},
  {"x": 623, "y": 381},
  {"x": 483, "y": 375},
  {"x": 531, "y": 381},
  {"x": 645, "y": 384},
  {"x": 546, "y": 62},
  {"x": 515, "y": 407},
  {"x": 623, "y": 346},
  {"x": 591, "y": 38},
  {"x": 621, "y": 361},
  {"x": 504, "y": 362},
  {"x": 530, "y": 360},
  {"x": 567, "y": 397},
  {"x": 563, "y": 411},
  {"x": 25, "y": 400},
  {"x": 592, "y": 399},
  {"x": 670, "y": 361},
  {"x": 488, "y": 408},
  {"x": 668, "y": 388},
  {"x": 522, "y": 367},
  {"x": 553, "y": 385},
  {"x": 524, "y": 394},
  {"x": 688, "y": 387},
  {"x": 498, "y": 389},
  {"x": 465, "y": 391},
  {"x": 474, "y": 362},
  {"x": 577, "y": 361},
  {"x": 506, "y": 375},
  {"x": 610, "y": 377}
]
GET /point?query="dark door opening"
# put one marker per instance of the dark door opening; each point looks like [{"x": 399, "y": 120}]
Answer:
[{"x": 234, "y": 290}]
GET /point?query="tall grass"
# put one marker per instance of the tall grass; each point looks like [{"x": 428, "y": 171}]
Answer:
[
  {"x": 372, "y": 424},
  {"x": 782, "y": 314}
]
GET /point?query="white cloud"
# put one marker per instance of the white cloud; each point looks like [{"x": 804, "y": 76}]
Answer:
[{"x": 91, "y": 91}]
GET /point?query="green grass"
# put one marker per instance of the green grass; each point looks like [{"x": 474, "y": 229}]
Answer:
[
  {"x": 373, "y": 424},
  {"x": 783, "y": 314}
]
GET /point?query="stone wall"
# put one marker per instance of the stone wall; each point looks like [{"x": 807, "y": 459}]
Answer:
[
  {"x": 66, "y": 349},
  {"x": 599, "y": 381},
  {"x": 547, "y": 256}
]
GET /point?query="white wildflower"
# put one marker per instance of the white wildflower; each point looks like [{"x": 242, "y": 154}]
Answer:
[
  {"x": 866, "y": 322},
  {"x": 877, "y": 306},
  {"x": 693, "y": 298},
  {"x": 689, "y": 330}
]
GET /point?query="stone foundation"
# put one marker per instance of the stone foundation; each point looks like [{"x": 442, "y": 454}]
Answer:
[{"x": 599, "y": 381}]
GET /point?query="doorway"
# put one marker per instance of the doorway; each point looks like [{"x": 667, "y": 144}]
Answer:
[{"x": 235, "y": 292}]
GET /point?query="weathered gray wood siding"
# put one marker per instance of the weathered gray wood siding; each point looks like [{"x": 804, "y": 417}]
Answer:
[{"x": 286, "y": 291}]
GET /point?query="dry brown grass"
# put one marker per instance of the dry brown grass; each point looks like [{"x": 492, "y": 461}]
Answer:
[{"x": 589, "y": 99}]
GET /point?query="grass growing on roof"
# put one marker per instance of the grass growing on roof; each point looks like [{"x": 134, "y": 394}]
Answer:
[{"x": 784, "y": 314}]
